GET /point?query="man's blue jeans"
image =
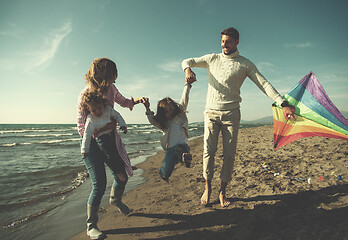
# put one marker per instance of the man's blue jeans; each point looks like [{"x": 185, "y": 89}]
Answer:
[
  {"x": 172, "y": 157},
  {"x": 95, "y": 165}
]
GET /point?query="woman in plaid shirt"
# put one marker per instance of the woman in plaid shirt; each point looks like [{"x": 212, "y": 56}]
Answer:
[{"x": 101, "y": 77}]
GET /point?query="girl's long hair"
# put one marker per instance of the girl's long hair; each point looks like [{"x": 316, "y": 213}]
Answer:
[
  {"x": 162, "y": 106},
  {"x": 91, "y": 97},
  {"x": 100, "y": 73}
]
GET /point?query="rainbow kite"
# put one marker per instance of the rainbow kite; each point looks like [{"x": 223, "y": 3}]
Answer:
[{"x": 315, "y": 115}]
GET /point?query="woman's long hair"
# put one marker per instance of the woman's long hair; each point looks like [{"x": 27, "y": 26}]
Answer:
[
  {"x": 100, "y": 74},
  {"x": 164, "y": 105}
]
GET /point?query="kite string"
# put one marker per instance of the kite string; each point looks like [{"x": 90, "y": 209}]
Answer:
[
  {"x": 308, "y": 180},
  {"x": 265, "y": 168}
]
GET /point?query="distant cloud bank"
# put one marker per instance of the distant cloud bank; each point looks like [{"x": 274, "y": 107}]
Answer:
[
  {"x": 171, "y": 66},
  {"x": 298, "y": 45}
]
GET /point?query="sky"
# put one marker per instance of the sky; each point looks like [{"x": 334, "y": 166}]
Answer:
[{"x": 46, "y": 48}]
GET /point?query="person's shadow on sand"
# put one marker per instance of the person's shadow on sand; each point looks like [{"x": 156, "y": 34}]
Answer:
[{"x": 294, "y": 216}]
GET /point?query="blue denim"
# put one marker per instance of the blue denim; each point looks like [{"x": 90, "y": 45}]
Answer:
[
  {"x": 107, "y": 144},
  {"x": 94, "y": 163},
  {"x": 172, "y": 157}
]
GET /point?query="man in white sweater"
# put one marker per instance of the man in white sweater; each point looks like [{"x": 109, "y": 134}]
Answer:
[{"x": 226, "y": 74}]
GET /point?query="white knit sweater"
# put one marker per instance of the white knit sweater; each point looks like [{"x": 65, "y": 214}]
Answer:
[
  {"x": 226, "y": 74},
  {"x": 93, "y": 123}
]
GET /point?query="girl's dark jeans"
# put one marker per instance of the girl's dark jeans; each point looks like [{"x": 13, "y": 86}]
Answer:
[{"x": 172, "y": 157}]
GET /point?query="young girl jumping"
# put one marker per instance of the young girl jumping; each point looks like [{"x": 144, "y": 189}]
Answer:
[
  {"x": 172, "y": 120},
  {"x": 101, "y": 77}
]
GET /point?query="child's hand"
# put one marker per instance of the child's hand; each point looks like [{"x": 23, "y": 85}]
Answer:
[
  {"x": 110, "y": 126},
  {"x": 190, "y": 81},
  {"x": 146, "y": 103},
  {"x": 140, "y": 100},
  {"x": 190, "y": 76},
  {"x": 96, "y": 132},
  {"x": 124, "y": 129}
]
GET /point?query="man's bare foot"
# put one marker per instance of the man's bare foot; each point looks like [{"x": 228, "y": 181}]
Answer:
[
  {"x": 223, "y": 200},
  {"x": 205, "y": 197}
]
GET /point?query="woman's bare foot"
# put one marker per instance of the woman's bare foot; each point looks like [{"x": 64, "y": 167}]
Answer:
[{"x": 223, "y": 200}]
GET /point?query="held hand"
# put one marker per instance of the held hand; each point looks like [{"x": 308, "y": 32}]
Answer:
[
  {"x": 289, "y": 112},
  {"x": 96, "y": 132},
  {"x": 190, "y": 76},
  {"x": 85, "y": 154},
  {"x": 147, "y": 104},
  {"x": 111, "y": 125},
  {"x": 124, "y": 129},
  {"x": 144, "y": 100},
  {"x": 140, "y": 100}
]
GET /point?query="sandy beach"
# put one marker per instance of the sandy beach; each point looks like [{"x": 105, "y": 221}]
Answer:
[{"x": 291, "y": 193}]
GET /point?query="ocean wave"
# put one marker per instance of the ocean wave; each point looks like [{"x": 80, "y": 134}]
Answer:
[
  {"x": 31, "y": 216},
  {"x": 49, "y": 135},
  {"x": 40, "y": 142},
  {"x": 37, "y": 130},
  {"x": 140, "y": 127},
  {"x": 60, "y": 141},
  {"x": 142, "y": 143},
  {"x": 147, "y": 131},
  {"x": 140, "y": 152},
  {"x": 14, "y": 144},
  {"x": 76, "y": 182}
]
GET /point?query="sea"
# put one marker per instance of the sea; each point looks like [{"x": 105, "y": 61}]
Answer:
[{"x": 44, "y": 185}]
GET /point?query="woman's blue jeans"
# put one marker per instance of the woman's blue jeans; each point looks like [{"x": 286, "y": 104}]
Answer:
[
  {"x": 172, "y": 157},
  {"x": 95, "y": 165}
]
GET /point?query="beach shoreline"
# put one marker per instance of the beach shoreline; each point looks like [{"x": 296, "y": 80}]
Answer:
[{"x": 312, "y": 203}]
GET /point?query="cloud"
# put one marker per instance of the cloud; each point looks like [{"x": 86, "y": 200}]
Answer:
[
  {"x": 14, "y": 30},
  {"x": 42, "y": 58},
  {"x": 171, "y": 66},
  {"x": 155, "y": 87},
  {"x": 34, "y": 59},
  {"x": 104, "y": 5},
  {"x": 333, "y": 78},
  {"x": 298, "y": 45},
  {"x": 265, "y": 66},
  {"x": 339, "y": 96},
  {"x": 99, "y": 27},
  {"x": 7, "y": 64}
]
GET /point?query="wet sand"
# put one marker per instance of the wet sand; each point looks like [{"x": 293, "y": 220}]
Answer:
[{"x": 270, "y": 194}]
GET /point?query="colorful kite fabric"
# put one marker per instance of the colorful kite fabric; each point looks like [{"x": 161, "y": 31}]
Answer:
[{"x": 315, "y": 115}]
